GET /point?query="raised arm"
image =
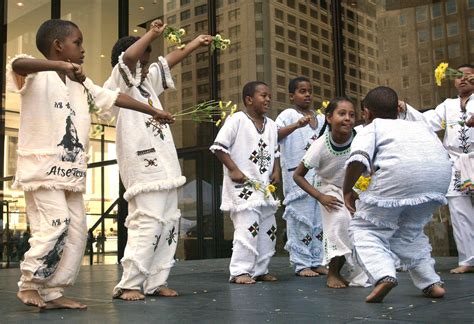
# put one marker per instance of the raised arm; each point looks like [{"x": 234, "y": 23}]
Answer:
[
  {"x": 25, "y": 66},
  {"x": 133, "y": 54},
  {"x": 285, "y": 131},
  {"x": 234, "y": 172},
  {"x": 127, "y": 102},
  {"x": 178, "y": 55},
  {"x": 329, "y": 202}
]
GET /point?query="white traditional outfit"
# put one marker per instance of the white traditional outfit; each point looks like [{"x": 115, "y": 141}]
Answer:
[
  {"x": 53, "y": 141},
  {"x": 410, "y": 173},
  {"x": 302, "y": 214},
  {"x": 327, "y": 158},
  {"x": 150, "y": 171},
  {"x": 459, "y": 141},
  {"x": 252, "y": 211}
]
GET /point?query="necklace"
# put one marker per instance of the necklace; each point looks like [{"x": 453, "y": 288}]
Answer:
[{"x": 262, "y": 130}]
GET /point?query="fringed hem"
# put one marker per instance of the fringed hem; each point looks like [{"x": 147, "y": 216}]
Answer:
[
  {"x": 295, "y": 194},
  {"x": 250, "y": 205},
  {"x": 368, "y": 198},
  {"x": 267, "y": 256},
  {"x": 159, "y": 185},
  {"x": 293, "y": 247},
  {"x": 11, "y": 84},
  {"x": 291, "y": 212},
  {"x": 140, "y": 212},
  {"x": 215, "y": 148},
  {"x": 133, "y": 80},
  {"x": 49, "y": 186},
  {"x": 376, "y": 221},
  {"x": 245, "y": 245},
  {"x": 362, "y": 159},
  {"x": 137, "y": 264},
  {"x": 168, "y": 76}
]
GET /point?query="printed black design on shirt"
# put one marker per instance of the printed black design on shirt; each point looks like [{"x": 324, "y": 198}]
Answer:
[
  {"x": 245, "y": 193},
  {"x": 150, "y": 163},
  {"x": 156, "y": 128},
  {"x": 144, "y": 152},
  {"x": 51, "y": 260},
  {"x": 254, "y": 229},
  {"x": 171, "y": 236},
  {"x": 156, "y": 242},
  {"x": 71, "y": 147},
  {"x": 272, "y": 232},
  {"x": 307, "y": 239},
  {"x": 261, "y": 157}
]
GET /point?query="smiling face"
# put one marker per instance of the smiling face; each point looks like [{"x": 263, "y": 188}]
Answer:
[
  {"x": 342, "y": 119},
  {"x": 462, "y": 84},
  {"x": 70, "y": 48},
  {"x": 302, "y": 96},
  {"x": 260, "y": 101}
]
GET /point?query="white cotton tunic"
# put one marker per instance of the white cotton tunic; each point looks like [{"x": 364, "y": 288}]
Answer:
[
  {"x": 254, "y": 153},
  {"x": 146, "y": 153},
  {"x": 53, "y": 137},
  {"x": 458, "y": 138},
  {"x": 408, "y": 163}
]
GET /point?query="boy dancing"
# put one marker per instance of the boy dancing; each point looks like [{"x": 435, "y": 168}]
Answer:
[{"x": 247, "y": 145}]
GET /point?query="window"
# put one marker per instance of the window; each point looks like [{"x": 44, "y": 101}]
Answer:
[
  {"x": 402, "y": 20},
  {"x": 202, "y": 73},
  {"x": 454, "y": 50},
  {"x": 302, "y": 8},
  {"x": 436, "y": 10},
  {"x": 293, "y": 68},
  {"x": 259, "y": 42},
  {"x": 313, "y": 13},
  {"x": 425, "y": 78},
  {"x": 423, "y": 57},
  {"x": 403, "y": 39},
  {"x": 278, "y": 14},
  {"x": 303, "y": 24},
  {"x": 438, "y": 32},
  {"x": 405, "y": 82},
  {"x": 404, "y": 60},
  {"x": 291, "y": 19},
  {"x": 471, "y": 24},
  {"x": 451, "y": 7},
  {"x": 290, "y": 3},
  {"x": 234, "y": 14},
  {"x": 234, "y": 47},
  {"x": 281, "y": 64},
  {"x": 292, "y": 35},
  {"x": 258, "y": 25},
  {"x": 326, "y": 63},
  {"x": 304, "y": 55},
  {"x": 279, "y": 30},
  {"x": 305, "y": 71},
  {"x": 316, "y": 75},
  {"x": 201, "y": 25},
  {"x": 314, "y": 43},
  {"x": 234, "y": 81},
  {"x": 200, "y": 10},
  {"x": 170, "y": 5},
  {"x": 326, "y": 78},
  {"x": 185, "y": 15},
  {"x": 423, "y": 36},
  {"x": 187, "y": 92},
  {"x": 470, "y": 5},
  {"x": 303, "y": 39},
  {"x": 202, "y": 57},
  {"x": 234, "y": 32},
  {"x": 314, "y": 29},
  {"x": 325, "y": 33},
  {"x": 281, "y": 80},
  {"x": 421, "y": 14},
  {"x": 292, "y": 51},
  {"x": 185, "y": 2},
  {"x": 234, "y": 64},
  {"x": 315, "y": 59},
  {"x": 187, "y": 76},
  {"x": 281, "y": 96},
  {"x": 202, "y": 89},
  {"x": 171, "y": 20},
  {"x": 280, "y": 47},
  {"x": 438, "y": 54},
  {"x": 453, "y": 28}
]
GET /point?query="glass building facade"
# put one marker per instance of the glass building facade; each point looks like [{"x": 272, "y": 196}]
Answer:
[{"x": 343, "y": 47}]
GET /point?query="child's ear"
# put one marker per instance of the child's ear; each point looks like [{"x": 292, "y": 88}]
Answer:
[
  {"x": 291, "y": 96},
  {"x": 57, "y": 45},
  {"x": 367, "y": 114},
  {"x": 248, "y": 100}
]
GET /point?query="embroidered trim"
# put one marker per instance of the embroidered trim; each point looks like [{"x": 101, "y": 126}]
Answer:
[
  {"x": 148, "y": 151},
  {"x": 428, "y": 289},
  {"x": 335, "y": 150},
  {"x": 388, "y": 279},
  {"x": 125, "y": 77},
  {"x": 162, "y": 71},
  {"x": 260, "y": 131},
  {"x": 221, "y": 145}
]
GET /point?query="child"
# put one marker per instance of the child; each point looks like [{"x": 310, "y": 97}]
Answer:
[
  {"x": 52, "y": 165},
  {"x": 410, "y": 176},
  {"x": 456, "y": 118},
  {"x": 327, "y": 156},
  {"x": 247, "y": 145},
  {"x": 299, "y": 126},
  {"x": 149, "y": 166}
]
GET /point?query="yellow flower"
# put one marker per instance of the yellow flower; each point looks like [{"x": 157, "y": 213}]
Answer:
[
  {"x": 182, "y": 32},
  {"x": 226, "y": 41},
  {"x": 181, "y": 46},
  {"x": 232, "y": 111},
  {"x": 325, "y": 104},
  {"x": 257, "y": 185},
  {"x": 223, "y": 47},
  {"x": 271, "y": 188},
  {"x": 362, "y": 183},
  {"x": 319, "y": 112},
  {"x": 218, "y": 37},
  {"x": 440, "y": 73},
  {"x": 218, "y": 122},
  {"x": 221, "y": 105},
  {"x": 223, "y": 114},
  {"x": 228, "y": 104},
  {"x": 443, "y": 124}
]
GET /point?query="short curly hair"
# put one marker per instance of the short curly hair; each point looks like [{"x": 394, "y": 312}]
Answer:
[
  {"x": 121, "y": 46},
  {"x": 50, "y": 30}
]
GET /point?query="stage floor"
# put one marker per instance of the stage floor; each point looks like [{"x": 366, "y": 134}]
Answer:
[{"x": 207, "y": 297}]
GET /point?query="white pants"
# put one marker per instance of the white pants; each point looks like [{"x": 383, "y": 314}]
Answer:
[
  {"x": 58, "y": 239},
  {"x": 152, "y": 222},
  {"x": 383, "y": 237},
  {"x": 462, "y": 217},
  {"x": 254, "y": 241}
]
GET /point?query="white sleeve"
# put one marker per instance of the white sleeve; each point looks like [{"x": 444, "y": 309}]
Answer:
[
  {"x": 281, "y": 120},
  {"x": 12, "y": 78},
  {"x": 159, "y": 74},
  {"x": 433, "y": 117},
  {"x": 363, "y": 148},
  {"x": 226, "y": 136},
  {"x": 312, "y": 157},
  {"x": 104, "y": 99}
]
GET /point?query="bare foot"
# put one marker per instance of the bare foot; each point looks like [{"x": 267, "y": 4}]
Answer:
[
  {"x": 435, "y": 291},
  {"x": 131, "y": 295},
  {"x": 31, "y": 298},
  {"x": 266, "y": 277},
  {"x": 462, "y": 269},
  {"x": 63, "y": 302},
  {"x": 321, "y": 270},
  {"x": 166, "y": 292},
  {"x": 380, "y": 291},
  {"x": 243, "y": 280},
  {"x": 335, "y": 281},
  {"x": 307, "y": 273}
]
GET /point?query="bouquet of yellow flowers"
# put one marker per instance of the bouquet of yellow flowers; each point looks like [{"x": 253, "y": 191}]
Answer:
[
  {"x": 208, "y": 111},
  {"x": 257, "y": 185},
  {"x": 442, "y": 72},
  {"x": 362, "y": 183},
  {"x": 324, "y": 105},
  {"x": 174, "y": 35},
  {"x": 218, "y": 42}
]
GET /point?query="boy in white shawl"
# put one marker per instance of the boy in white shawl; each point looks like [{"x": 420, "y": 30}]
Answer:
[
  {"x": 410, "y": 173},
  {"x": 456, "y": 117},
  {"x": 149, "y": 166},
  {"x": 298, "y": 128},
  {"x": 247, "y": 145},
  {"x": 53, "y": 142}
]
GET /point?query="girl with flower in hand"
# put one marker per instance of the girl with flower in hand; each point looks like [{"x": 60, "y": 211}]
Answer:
[
  {"x": 247, "y": 145},
  {"x": 327, "y": 156},
  {"x": 148, "y": 164},
  {"x": 456, "y": 117}
]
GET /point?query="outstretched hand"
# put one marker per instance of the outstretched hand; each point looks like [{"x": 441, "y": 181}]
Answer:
[
  {"x": 75, "y": 73},
  {"x": 237, "y": 176},
  {"x": 157, "y": 26},
  {"x": 303, "y": 121},
  {"x": 163, "y": 117},
  {"x": 203, "y": 40},
  {"x": 402, "y": 106}
]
